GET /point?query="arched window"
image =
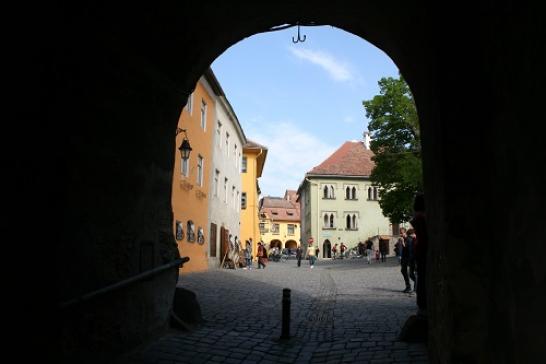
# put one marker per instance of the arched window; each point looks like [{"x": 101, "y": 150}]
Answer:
[
  {"x": 332, "y": 192},
  {"x": 348, "y": 193},
  {"x": 325, "y": 220},
  {"x": 369, "y": 193},
  {"x": 354, "y": 221},
  {"x": 190, "y": 231},
  {"x": 353, "y": 193},
  {"x": 332, "y": 220},
  {"x": 348, "y": 225},
  {"x": 325, "y": 195},
  {"x": 375, "y": 193}
]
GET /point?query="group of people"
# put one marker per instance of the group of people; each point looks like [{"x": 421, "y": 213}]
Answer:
[
  {"x": 342, "y": 251},
  {"x": 261, "y": 255}
]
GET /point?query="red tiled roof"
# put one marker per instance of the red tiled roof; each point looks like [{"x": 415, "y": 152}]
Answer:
[
  {"x": 351, "y": 159},
  {"x": 278, "y": 208}
]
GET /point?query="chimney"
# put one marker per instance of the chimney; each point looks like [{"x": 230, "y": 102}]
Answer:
[{"x": 366, "y": 139}]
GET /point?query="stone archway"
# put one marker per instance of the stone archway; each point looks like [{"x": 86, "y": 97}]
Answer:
[
  {"x": 291, "y": 244},
  {"x": 326, "y": 249},
  {"x": 275, "y": 243},
  {"x": 121, "y": 86}
]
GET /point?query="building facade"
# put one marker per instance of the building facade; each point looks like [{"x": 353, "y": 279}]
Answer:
[
  {"x": 254, "y": 156},
  {"x": 191, "y": 182},
  {"x": 225, "y": 175},
  {"x": 338, "y": 202},
  {"x": 280, "y": 221}
]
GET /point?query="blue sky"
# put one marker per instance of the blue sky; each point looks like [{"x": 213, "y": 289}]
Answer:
[{"x": 303, "y": 100}]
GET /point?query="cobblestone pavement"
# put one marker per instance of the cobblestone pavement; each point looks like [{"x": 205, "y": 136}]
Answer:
[{"x": 343, "y": 311}]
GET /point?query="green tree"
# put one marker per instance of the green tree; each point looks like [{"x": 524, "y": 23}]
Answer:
[{"x": 394, "y": 129}]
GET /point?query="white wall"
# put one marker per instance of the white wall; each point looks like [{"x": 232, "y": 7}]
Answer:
[{"x": 228, "y": 164}]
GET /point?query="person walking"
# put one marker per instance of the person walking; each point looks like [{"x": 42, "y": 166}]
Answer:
[
  {"x": 248, "y": 254},
  {"x": 262, "y": 256},
  {"x": 369, "y": 250},
  {"x": 299, "y": 253},
  {"x": 311, "y": 253},
  {"x": 342, "y": 250},
  {"x": 383, "y": 251},
  {"x": 334, "y": 251},
  {"x": 420, "y": 248},
  {"x": 411, "y": 237},
  {"x": 405, "y": 261}
]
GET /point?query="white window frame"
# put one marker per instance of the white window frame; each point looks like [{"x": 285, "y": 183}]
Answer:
[
  {"x": 203, "y": 114},
  {"x": 185, "y": 166},
  {"x": 200, "y": 169}
]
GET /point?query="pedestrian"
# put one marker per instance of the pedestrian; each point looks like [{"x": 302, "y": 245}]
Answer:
[
  {"x": 248, "y": 254},
  {"x": 420, "y": 248},
  {"x": 398, "y": 245},
  {"x": 262, "y": 256},
  {"x": 342, "y": 250},
  {"x": 334, "y": 251},
  {"x": 311, "y": 253},
  {"x": 361, "y": 249},
  {"x": 383, "y": 251},
  {"x": 406, "y": 258},
  {"x": 377, "y": 255},
  {"x": 369, "y": 250},
  {"x": 412, "y": 265},
  {"x": 299, "y": 253}
]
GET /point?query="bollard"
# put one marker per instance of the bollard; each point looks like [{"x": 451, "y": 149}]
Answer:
[{"x": 285, "y": 314}]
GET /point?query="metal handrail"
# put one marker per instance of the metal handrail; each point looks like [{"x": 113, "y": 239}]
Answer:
[{"x": 86, "y": 297}]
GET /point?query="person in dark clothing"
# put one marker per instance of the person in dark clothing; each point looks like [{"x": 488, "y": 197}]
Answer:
[
  {"x": 421, "y": 244},
  {"x": 369, "y": 250},
  {"x": 299, "y": 253},
  {"x": 407, "y": 260}
]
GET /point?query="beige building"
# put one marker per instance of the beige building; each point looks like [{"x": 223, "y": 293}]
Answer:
[
  {"x": 280, "y": 221},
  {"x": 338, "y": 202}
]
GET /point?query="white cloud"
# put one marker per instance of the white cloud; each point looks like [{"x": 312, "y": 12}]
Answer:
[
  {"x": 348, "y": 119},
  {"x": 338, "y": 70},
  {"x": 291, "y": 153}
]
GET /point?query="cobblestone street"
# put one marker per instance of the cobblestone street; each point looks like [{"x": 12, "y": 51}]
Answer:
[{"x": 343, "y": 311}]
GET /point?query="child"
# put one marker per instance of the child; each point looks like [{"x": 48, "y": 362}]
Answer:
[{"x": 377, "y": 255}]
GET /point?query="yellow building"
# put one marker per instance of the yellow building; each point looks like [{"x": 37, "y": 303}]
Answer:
[
  {"x": 191, "y": 182},
  {"x": 254, "y": 156},
  {"x": 280, "y": 221}
]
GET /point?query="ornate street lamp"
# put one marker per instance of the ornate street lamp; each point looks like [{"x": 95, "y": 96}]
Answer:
[{"x": 185, "y": 148}]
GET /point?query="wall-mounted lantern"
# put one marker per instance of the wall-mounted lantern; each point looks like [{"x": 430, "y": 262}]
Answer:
[{"x": 185, "y": 148}]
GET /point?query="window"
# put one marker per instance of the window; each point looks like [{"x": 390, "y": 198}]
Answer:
[
  {"x": 237, "y": 201},
  {"x": 275, "y": 228},
  {"x": 243, "y": 166},
  {"x": 369, "y": 193},
  {"x": 185, "y": 166},
  {"x": 227, "y": 144},
  {"x": 350, "y": 192},
  {"x": 233, "y": 197},
  {"x": 235, "y": 155},
  {"x": 262, "y": 228},
  {"x": 200, "y": 167},
  {"x": 349, "y": 222},
  {"x": 203, "y": 114},
  {"x": 326, "y": 221},
  {"x": 219, "y": 134},
  {"x": 354, "y": 222},
  {"x": 225, "y": 189},
  {"x": 216, "y": 179},
  {"x": 332, "y": 220},
  {"x": 375, "y": 193},
  {"x": 328, "y": 192},
  {"x": 243, "y": 201},
  {"x": 290, "y": 229},
  {"x": 189, "y": 104}
]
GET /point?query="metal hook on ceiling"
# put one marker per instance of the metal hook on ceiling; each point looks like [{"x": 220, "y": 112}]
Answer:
[{"x": 299, "y": 38}]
